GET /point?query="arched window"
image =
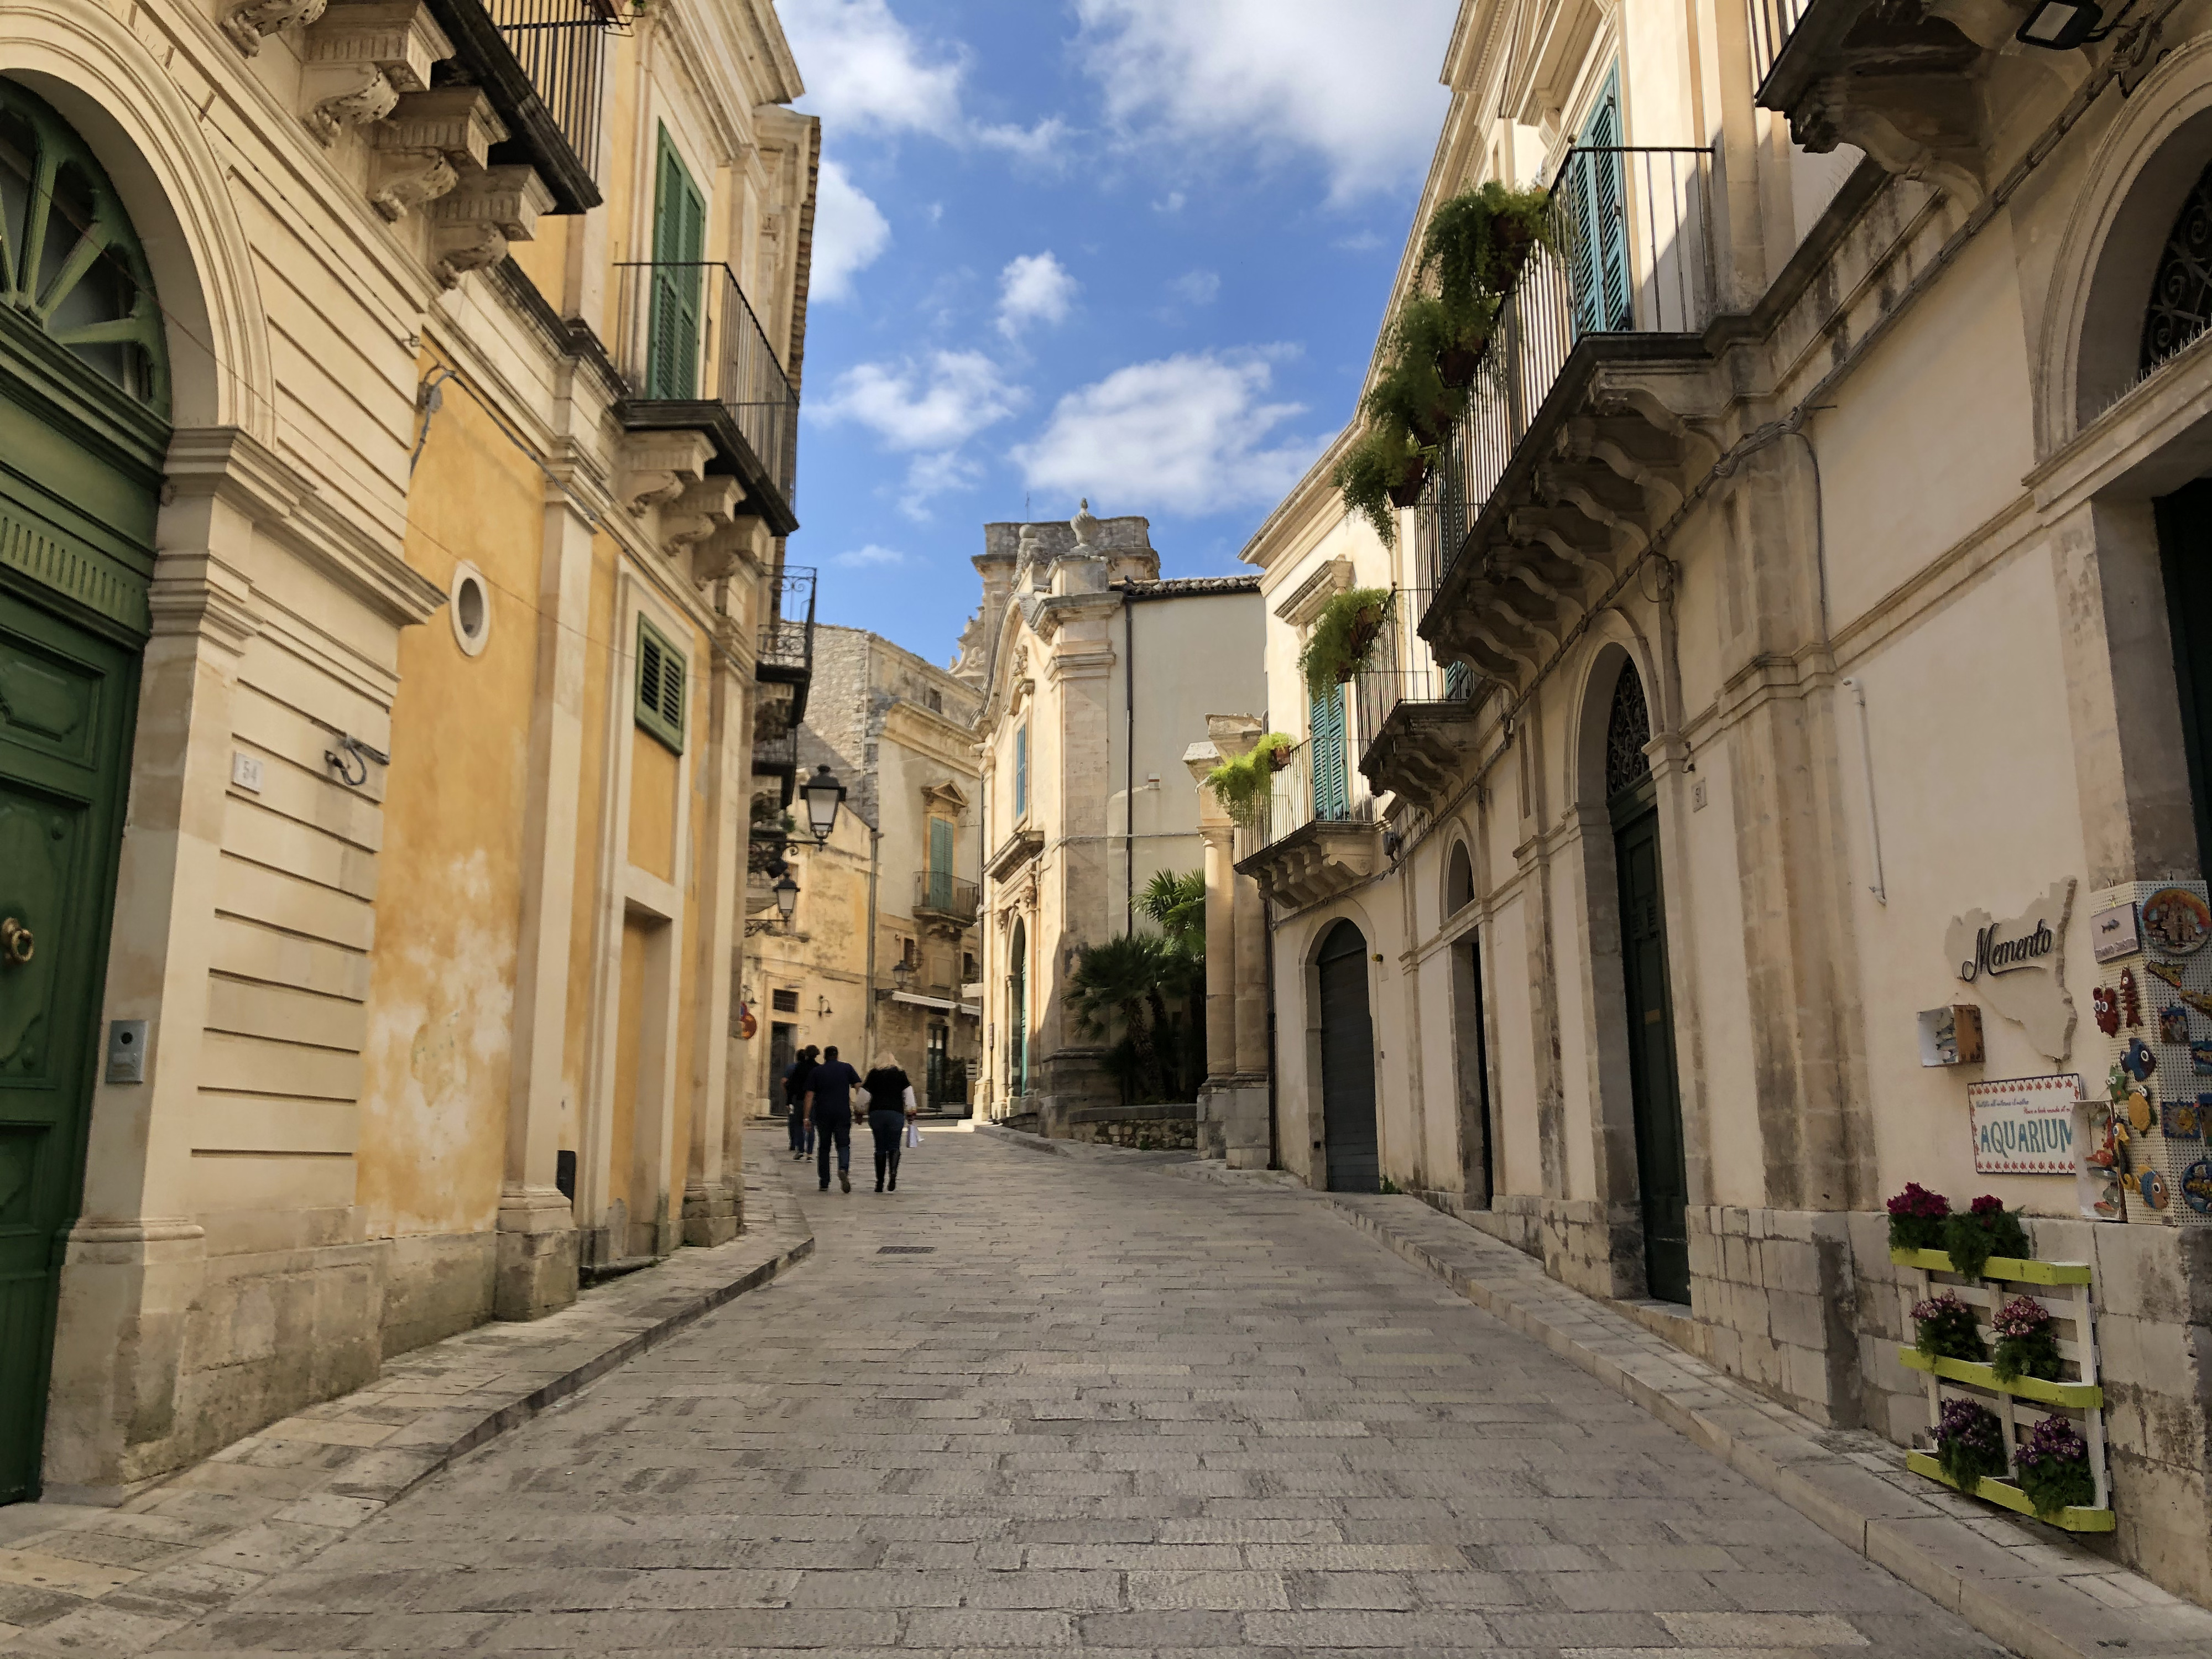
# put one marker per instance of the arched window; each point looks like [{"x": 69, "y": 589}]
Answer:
[
  {"x": 1459, "y": 881},
  {"x": 70, "y": 264},
  {"x": 2181, "y": 292},
  {"x": 1627, "y": 730}
]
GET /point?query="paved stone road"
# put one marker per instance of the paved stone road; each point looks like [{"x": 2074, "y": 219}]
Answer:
[{"x": 1114, "y": 1409}]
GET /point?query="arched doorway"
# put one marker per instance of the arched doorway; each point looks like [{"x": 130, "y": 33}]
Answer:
[
  {"x": 83, "y": 427},
  {"x": 1017, "y": 1014},
  {"x": 1470, "y": 1040},
  {"x": 1351, "y": 1157},
  {"x": 1663, "y": 1177}
]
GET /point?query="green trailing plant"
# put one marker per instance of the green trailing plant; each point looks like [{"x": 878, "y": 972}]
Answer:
[
  {"x": 2053, "y": 1464},
  {"x": 1987, "y": 1230},
  {"x": 1344, "y": 633},
  {"x": 1474, "y": 243},
  {"x": 1244, "y": 784},
  {"x": 1384, "y": 465},
  {"x": 1946, "y": 1329},
  {"x": 2026, "y": 1344},
  {"x": 1391, "y": 1186},
  {"x": 1969, "y": 1443},
  {"x": 1451, "y": 334},
  {"x": 1917, "y": 1218}
]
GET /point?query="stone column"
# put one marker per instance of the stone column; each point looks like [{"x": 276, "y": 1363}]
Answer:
[
  {"x": 136, "y": 1258},
  {"x": 1215, "y": 829},
  {"x": 536, "y": 1269}
]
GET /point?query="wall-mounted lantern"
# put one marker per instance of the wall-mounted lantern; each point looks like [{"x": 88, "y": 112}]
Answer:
[
  {"x": 824, "y": 795},
  {"x": 786, "y": 896}
]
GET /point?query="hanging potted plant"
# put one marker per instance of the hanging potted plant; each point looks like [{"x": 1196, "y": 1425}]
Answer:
[
  {"x": 1383, "y": 469},
  {"x": 1342, "y": 636},
  {"x": 1450, "y": 333},
  {"x": 1477, "y": 242},
  {"x": 1244, "y": 784}
]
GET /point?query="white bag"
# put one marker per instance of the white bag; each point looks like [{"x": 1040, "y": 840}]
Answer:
[
  {"x": 861, "y": 1099},
  {"x": 914, "y": 1134}
]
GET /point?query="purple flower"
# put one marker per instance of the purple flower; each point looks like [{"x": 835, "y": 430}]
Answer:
[
  {"x": 2022, "y": 1317},
  {"x": 2050, "y": 1440},
  {"x": 1917, "y": 1202},
  {"x": 1988, "y": 1204}
]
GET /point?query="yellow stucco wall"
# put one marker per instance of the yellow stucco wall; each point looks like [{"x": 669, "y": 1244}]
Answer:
[
  {"x": 601, "y": 660},
  {"x": 628, "y": 1042},
  {"x": 654, "y": 776},
  {"x": 442, "y": 990}
]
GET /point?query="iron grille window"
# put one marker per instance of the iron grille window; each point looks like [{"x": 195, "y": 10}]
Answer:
[
  {"x": 1626, "y": 731},
  {"x": 660, "y": 672},
  {"x": 2181, "y": 295},
  {"x": 784, "y": 1002}
]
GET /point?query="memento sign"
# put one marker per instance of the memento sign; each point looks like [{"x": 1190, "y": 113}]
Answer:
[{"x": 2024, "y": 1124}]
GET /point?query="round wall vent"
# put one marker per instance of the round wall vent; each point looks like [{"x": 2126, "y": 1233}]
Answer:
[{"x": 470, "y": 607}]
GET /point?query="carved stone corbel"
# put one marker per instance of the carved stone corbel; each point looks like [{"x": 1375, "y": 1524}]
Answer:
[
  {"x": 425, "y": 144},
  {"x": 741, "y": 544},
  {"x": 248, "y": 24},
  {"x": 456, "y": 250},
  {"x": 475, "y": 222},
  {"x": 656, "y": 467},
  {"x": 703, "y": 508},
  {"x": 362, "y": 56},
  {"x": 407, "y": 179}
]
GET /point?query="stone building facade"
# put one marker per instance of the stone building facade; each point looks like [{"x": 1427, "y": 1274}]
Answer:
[
  {"x": 386, "y": 545},
  {"x": 1814, "y": 568},
  {"x": 1087, "y": 663},
  {"x": 880, "y": 956}
]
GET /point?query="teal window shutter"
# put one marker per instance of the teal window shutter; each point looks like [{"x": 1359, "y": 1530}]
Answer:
[
  {"x": 1597, "y": 218},
  {"x": 940, "y": 863},
  {"x": 1331, "y": 791},
  {"x": 679, "y": 242},
  {"x": 1021, "y": 770}
]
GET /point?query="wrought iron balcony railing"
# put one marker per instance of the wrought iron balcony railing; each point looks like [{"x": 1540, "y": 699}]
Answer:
[
  {"x": 1400, "y": 668},
  {"x": 542, "y": 64},
  {"x": 940, "y": 893},
  {"x": 1772, "y": 23},
  {"x": 1633, "y": 255},
  {"x": 1293, "y": 803},
  {"x": 787, "y": 637},
  {"x": 686, "y": 338}
]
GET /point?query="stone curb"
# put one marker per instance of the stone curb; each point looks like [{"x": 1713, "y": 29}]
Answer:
[
  {"x": 2038, "y": 1591},
  {"x": 282, "y": 1496}
]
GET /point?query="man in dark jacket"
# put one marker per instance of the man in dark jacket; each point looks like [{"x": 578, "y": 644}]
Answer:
[
  {"x": 795, "y": 1101},
  {"x": 830, "y": 1115}
]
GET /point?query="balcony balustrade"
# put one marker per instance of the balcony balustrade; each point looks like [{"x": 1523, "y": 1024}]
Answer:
[
  {"x": 1772, "y": 23},
  {"x": 785, "y": 653},
  {"x": 696, "y": 358},
  {"x": 939, "y": 895},
  {"x": 1412, "y": 714},
  {"x": 1303, "y": 848},
  {"x": 541, "y": 64}
]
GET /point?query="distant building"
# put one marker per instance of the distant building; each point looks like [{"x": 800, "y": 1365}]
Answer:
[
  {"x": 881, "y": 941},
  {"x": 1090, "y": 665}
]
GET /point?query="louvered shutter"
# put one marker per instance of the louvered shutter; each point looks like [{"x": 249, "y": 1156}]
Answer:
[
  {"x": 1597, "y": 219},
  {"x": 679, "y": 227},
  {"x": 1332, "y": 793},
  {"x": 660, "y": 675},
  {"x": 940, "y": 864},
  {"x": 1021, "y": 770}
]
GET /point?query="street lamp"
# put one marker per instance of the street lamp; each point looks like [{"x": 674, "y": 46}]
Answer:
[
  {"x": 786, "y": 896},
  {"x": 902, "y": 975},
  {"x": 824, "y": 795}
]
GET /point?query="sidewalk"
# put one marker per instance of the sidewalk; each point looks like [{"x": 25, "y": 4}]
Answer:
[
  {"x": 76, "y": 1580},
  {"x": 2035, "y": 1590}
]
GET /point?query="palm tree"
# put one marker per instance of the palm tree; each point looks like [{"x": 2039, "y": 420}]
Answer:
[
  {"x": 1177, "y": 903},
  {"x": 1121, "y": 977}
]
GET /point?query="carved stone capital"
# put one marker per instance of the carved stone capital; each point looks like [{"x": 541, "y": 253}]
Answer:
[
  {"x": 371, "y": 100},
  {"x": 247, "y": 24},
  {"x": 656, "y": 467}
]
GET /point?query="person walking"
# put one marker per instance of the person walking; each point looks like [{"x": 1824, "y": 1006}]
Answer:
[
  {"x": 830, "y": 1114},
  {"x": 795, "y": 1101},
  {"x": 890, "y": 1108}
]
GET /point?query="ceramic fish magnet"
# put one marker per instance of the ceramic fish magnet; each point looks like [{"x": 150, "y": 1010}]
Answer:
[
  {"x": 2154, "y": 1190},
  {"x": 2107, "y": 1009},
  {"x": 2130, "y": 1001},
  {"x": 2138, "y": 1062},
  {"x": 2173, "y": 1023},
  {"x": 2111, "y": 1203}
]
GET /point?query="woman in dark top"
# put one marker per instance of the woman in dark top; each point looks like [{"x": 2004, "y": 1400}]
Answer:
[
  {"x": 890, "y": 1108},
  {"x": 794, "y": 1103}
]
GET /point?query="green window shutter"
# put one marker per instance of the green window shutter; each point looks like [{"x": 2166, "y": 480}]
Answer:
[
  {"x": 1332, "y": 791},
  {"x": 940, "y": 863},
  {"x": 679, "y": 241},
  {"x": 1021, "y": 770},
  {"x": 660, "y": 688},
  {"x": 1597, "y": 214}
]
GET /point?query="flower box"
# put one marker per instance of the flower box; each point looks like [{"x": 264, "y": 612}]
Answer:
[
  {"x": 2085, "y": 1394},
  {"x": 2010, "y": 1496},
  {"x": 2016, "y": 1269}
]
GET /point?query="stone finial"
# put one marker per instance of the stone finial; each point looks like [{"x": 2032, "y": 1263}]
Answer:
[{"x": 1082, "y": 524}]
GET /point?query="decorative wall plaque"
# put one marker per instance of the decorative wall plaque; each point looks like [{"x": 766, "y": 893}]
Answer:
[
  {"x": 2018, "y": 966},
  {"x": 2024, "y": 1124}
]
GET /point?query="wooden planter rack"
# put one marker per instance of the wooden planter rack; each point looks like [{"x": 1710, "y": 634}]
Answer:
[{"x": 2063, "y": 1289}]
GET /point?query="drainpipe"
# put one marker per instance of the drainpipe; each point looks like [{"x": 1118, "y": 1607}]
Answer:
[
  {"x": 1128, "y": 764},
  {"x": 1274, "y": 1064},
  {"x": 868, "y": 1027}
]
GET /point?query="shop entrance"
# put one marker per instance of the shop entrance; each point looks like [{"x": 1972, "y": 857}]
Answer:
[
  {"x": 1663, "y": 1177},
  {"x": 84, "y": 405},
  {"x": 1353, "y": 1162}
]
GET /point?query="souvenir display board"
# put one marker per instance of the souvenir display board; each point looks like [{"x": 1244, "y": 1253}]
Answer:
[{"x": 2145, "y": 1148}]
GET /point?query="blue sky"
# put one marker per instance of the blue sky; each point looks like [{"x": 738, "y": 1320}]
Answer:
[{"x": 1130, "y": 249}]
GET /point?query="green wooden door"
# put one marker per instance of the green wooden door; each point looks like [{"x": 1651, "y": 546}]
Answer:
[
  {"x": 66, "y": 701},
  {"x": 679, "y": 243},
  {"x": 1662, "y": 1171}
]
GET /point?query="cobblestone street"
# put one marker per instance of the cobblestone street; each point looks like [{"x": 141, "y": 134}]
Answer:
[{"x": 1109, "y": 1409}]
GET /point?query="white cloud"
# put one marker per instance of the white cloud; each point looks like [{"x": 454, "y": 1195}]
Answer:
[
  {"x": 1040, "y": 143},
  {"x": 930, "y": 476},
  {"x": 1279, "y": 76},
  {"x": 1035, "y": 288},
  {"x": 1199, "y": 288},
  {"x": 937, "y": 405},
  {"x": 1188, "y": 434},
  {"x": 874, "y": 556},
  {"x": 866, "y": 71},
  {"x": 849, "y": 233}
]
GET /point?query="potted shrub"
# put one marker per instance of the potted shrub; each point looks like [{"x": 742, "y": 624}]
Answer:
[
  {"x": 1383, "y": 467},
  {"x": 1969, "y": 1443},
  {"x": 2027, "y": 1346},
  {"x": 1243, "y": 785},
  {"x": 1342, "y": 636},
  {"x": 1917, "y": 1218},
  {"x": 1946, "y": 1330},
  {"x": 1452, "y": 335},
  {"x": 1411, "y": 397},
  {"x": 1989, "y": 1229},
  {"x": 2053, "y": 1462}
]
